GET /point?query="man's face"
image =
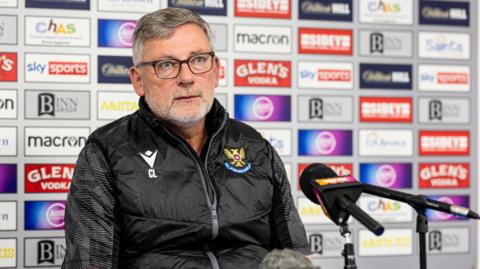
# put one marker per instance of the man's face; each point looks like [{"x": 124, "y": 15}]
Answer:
[{"x": 186, "y": 99}]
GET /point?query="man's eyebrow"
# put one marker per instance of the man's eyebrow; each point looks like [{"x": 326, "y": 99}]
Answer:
[{"x": 192, "y": 53}]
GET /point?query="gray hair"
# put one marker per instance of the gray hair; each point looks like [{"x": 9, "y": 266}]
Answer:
[
  {"x": 286, "y": 259},
  {"x": 161, "y": 24}
]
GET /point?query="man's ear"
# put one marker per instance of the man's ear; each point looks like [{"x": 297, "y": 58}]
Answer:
[
  {"x": 137, "y": 81},
  {"x": 216, "y": 68}
]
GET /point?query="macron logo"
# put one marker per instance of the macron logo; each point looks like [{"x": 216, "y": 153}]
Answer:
[{"x": 150, "y": 157}]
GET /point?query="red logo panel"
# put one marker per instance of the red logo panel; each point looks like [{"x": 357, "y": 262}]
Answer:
[
  {"x": 444, "y": 175},
  {"x": 342, "y": 169},
  {"x": 444, "y": 143},
  {"x": 277, "y": 9},
  {"x": 48, "y": 177},
  {"x": 8, "y": 66},
  {"x": 385, "y": 109},
  {"x": 68, "y": 68},
  {"x": 262, "y": 73},
  {"x": 325, "y": 41}
]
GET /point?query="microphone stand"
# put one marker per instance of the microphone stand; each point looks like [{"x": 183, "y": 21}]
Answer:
[
  {"x": 348, "y": 252},
  {"x": 422, "y": 230}
]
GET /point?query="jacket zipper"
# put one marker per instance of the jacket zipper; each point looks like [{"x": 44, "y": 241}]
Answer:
[{"x": 212, "y": 206}]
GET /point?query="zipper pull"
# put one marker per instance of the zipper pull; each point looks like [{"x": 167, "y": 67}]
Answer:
[{"x": 214, "y": 213}]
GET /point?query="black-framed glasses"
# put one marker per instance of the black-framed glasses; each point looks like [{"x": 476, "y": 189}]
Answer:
[{"x": 170, "y": 68}]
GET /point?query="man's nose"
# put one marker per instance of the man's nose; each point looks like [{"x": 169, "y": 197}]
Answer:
[{"x": 185, "y": 76}]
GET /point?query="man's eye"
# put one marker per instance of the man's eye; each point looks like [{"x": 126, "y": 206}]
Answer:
[
  {"x": 199, "y": 59},
  {"x": 166, "y": 64}
]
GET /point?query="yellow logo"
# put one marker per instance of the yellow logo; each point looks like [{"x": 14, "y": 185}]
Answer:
[{"x": 236, "y": 157}]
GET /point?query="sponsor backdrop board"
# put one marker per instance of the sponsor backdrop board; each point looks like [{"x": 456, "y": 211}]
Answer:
[{"x": 385, "y": 90}]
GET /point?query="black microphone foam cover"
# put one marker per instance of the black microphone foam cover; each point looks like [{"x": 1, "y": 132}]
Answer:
[{"x": 314, "y": 171}]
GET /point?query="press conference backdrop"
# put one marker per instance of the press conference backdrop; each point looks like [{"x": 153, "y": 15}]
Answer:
[{"x": 385, "y": 90}]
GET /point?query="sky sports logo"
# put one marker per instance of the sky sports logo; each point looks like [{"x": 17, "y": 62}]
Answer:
[
  {"x": 115, "y": 33},
  {"x": 444, "y": 143},
  {"x": 443, "y": 175},
  {"x": 44, "y": 215},
  {"x": 258, "y": 73},
  {"x": 444, "y": 78},
  {"x": 325, "y": 41},
  {"x": 274, "y": 9},
  {"x": 48, "y": 178},
  {"x": 325, "y": 75},
  {"x": 386, "y": 109},
  {"x": 8, "y": 67},
  {"x": 262, "y": 107},
  {"x": 57, "y": 68}
]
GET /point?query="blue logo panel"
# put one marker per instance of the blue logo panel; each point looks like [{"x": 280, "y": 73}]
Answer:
[
  {"x": 212, "y": 7},
  {"x": 444, "y": 13},
  {"x": 114, "y": 69},
  {"x": 385, "y": 76},
  {"x": 60, "y": 4},
  {"x": 330, "y": 10}
]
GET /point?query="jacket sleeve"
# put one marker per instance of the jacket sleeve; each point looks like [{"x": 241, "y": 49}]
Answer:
[
  {"x": 287, "y": 228},
  {"x": 91, "y": 232}
]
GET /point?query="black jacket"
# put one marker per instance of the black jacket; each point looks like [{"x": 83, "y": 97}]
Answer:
[{"x": 142, "y": 198}]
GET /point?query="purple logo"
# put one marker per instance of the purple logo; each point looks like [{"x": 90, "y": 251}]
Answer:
[
  {"x": 8, "y": 178},
  {"x": 458, "y": 200},
  {"x": 387, "y": 175},
  {"x": 325, "y": 142},
  {"x": 115, "y": 33},
  {"x": 44, "y": 215},
  {"x": 262, "y": 107}
]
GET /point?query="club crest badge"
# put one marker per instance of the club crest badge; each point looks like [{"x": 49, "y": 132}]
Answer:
[{"x": 236, "y": 160}]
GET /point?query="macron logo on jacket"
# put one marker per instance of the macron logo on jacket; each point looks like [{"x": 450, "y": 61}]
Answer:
[{"x": 150, "y": 157}]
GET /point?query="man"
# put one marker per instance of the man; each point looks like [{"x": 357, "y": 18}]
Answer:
[
  {"x": 286, "y": 259},
  {"x": 177, "y": 184}
]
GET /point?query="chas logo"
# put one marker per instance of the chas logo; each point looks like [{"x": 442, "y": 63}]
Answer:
[{"x": 386, "y": 11}]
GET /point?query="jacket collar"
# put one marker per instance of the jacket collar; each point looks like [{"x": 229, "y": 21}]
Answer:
[{"x": 213, "y": 122}]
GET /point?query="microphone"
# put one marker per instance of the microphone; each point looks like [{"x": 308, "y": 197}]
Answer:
[
  {"x": 416, "y": 201},
  {"x": 337, "y": 195},
  {"x": 419, "y": 201}
]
